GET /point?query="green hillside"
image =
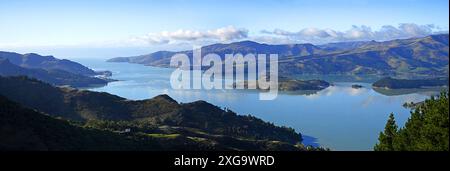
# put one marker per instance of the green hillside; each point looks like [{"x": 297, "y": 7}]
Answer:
[{"x": 161, "y": 115}]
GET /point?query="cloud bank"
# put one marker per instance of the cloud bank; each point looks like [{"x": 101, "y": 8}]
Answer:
[
  {"x": 224, "y": 34},
  {"x": 355, "y": 33},
  {"x": 280, "y": 36}
]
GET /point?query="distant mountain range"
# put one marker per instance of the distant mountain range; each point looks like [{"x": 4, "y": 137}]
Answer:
[
  {"x": 173, "y": 125},
  {"x": 424, "y": 56},
  {"x": 51, "y": 70},
  {"x": 32, "y": 60}
]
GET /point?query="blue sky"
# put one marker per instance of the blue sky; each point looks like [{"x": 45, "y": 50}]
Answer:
[{"x": 155, "y": 24}]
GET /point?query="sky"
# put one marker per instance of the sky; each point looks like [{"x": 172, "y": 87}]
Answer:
[{"x": 110, "y": 28}]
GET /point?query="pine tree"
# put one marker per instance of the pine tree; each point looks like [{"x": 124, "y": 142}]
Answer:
[
  {"x": 387, "y": 138},
  {"x": 426, "y": 130},
  {"x": 428, "y": 127}
]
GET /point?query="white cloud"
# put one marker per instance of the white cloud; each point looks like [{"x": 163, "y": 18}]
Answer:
[
  {"x": 355, "y": 33},
  {"x": 224, "y": 34}
]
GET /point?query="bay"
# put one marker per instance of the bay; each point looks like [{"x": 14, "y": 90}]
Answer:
[{"x": 339, "y": 117}]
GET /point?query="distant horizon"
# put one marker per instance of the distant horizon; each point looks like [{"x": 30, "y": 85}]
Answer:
[
  {"x": 105, "y": 28},
  {"x": 143, "y": 51}
]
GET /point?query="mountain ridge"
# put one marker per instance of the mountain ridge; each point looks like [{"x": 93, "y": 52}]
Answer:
[
  {"x": 83, "y": 105},
  {"x": 59, "y": 72},
  {"x": 53, "y": 76},
  {"x": 417, "y": 57},
  {"x": 33, "y": 60}
]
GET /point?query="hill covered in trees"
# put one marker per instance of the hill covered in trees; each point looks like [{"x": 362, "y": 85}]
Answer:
[
  {"x": 26, "y": 129},
  {"x": 426, "y": 130},
  {"x": 162, "y": 118}
]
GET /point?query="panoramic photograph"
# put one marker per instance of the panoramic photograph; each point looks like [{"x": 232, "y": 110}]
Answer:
[{"x": 271, "y": 79}]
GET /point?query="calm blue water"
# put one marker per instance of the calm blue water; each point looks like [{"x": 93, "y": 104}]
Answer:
[{"x": 339, "y": 117}]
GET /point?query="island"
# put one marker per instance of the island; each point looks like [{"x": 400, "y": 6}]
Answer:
[
  {"x": 357, "y": 86},
  {"x": 393, "y": 83},
  {"x": 289, "y": 84},
  {"x": 298, "y": 85}
]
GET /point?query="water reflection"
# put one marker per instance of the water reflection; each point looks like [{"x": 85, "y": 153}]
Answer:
[{"x": 396, "y": 92}]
